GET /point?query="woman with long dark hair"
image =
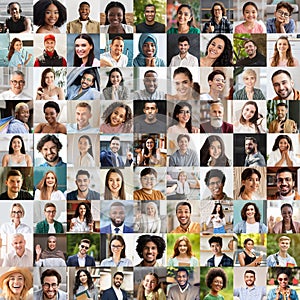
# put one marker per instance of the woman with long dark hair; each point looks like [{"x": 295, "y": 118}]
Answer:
[
  {"x": 150, "y": 154},
  {"x": 217, "y": 218},
  {"x": 250, "y": 179},
  {"x": 86, "y": 156},
  {"x": 84, "y": 283},
  {"x": 15, "y": 57},
  {"x": 83, "y": 219},
  {"x": 248, "y": 257}
]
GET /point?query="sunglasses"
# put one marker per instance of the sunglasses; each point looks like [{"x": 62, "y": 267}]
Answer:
[{"x": 86, "y": 247}]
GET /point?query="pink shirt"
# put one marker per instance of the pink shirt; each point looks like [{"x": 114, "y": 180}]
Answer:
[{"x": 242, "y": 29}]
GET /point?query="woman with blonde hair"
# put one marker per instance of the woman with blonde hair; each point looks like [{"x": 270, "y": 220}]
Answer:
[
  {"x": 150, "y": 221},
  {"x": 149, "y": 288},
  {"x": 46, "y": 189},
  {"x": 282, "y": 56},
  {"x": 183, "y": 255}
]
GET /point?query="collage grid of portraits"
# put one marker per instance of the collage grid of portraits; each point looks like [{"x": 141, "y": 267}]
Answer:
[{"x": 173, "y": 173}]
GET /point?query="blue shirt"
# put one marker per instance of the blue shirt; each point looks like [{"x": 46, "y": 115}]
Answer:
[
  {"x": 272, "y": 295},
  {"x": 255, "y": 292},
  {"x": 271, "y": 28},
  {"x": 59, "y": 164},
  {"x": 91, "y": 93}
]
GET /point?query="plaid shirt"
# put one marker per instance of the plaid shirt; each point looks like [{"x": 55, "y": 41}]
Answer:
[
  {"x": 224, "y": 27},
  {"x": 226, "y": 261}
]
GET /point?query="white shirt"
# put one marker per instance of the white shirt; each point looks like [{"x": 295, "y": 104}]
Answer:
[
  {"x": 122, "y": 62},
  {"x": 9, "y": 95},
  {"x": 188, "y": 61},
  {"x": 12, "y": 259},
  {"x": 9, "y": 228},
  {"x": 252, "y": 228},
  {"x": 118, "y": 293}
]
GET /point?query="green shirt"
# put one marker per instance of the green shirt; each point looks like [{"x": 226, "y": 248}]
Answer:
[
  {"x": 211, "y": 297},
  {"x": 192, "y": 30}
]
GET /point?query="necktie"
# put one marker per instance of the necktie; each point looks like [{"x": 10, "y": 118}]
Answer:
[{"x": 117, "y": 230}]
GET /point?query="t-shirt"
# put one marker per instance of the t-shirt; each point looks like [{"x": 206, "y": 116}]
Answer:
[{"x": 156, "y": 28}]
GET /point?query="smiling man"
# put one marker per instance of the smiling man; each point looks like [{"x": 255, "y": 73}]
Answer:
[
  {"x": 17, "y": 23},
  {"x": 19, "y": 123},
  {"x": 254, "y": 58},
  {"x": 254, "y": 158},
  {"x": 216, "y": 82},
  {"x": 115, "y": 292},
  {"x": 82, "y": 259}
]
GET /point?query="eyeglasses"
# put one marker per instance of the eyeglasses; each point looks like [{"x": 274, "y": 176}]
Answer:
[
  {"x": 148, "y": 179},
  {"x": 218, "y": 80},
  {"x": 15, "y": 82},
  {"x": 16, "y": 212},
  {"x": 47, "y": 285},
  {"x": 283, "y": 14},
  {"x": 50, "y": 211},
  {"x": 283, "y": 279},
  {"x": 184, "y": 112},
  {"x": 85, "y": 247},
  {"x": 215, "y": 183},
  {"x": 87, "y": 79},
  {"x": 116, "y": 246},
  {"x": 287, "y": 179}
]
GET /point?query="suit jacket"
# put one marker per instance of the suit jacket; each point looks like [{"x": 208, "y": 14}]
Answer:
[
  {"x": 206, "y": 127},
  {"x": 110, "y": 294},
  {"x": 72, "y": 261},
  {"x": 107, "y": 229},
  {"x": 108, "y": 159}
]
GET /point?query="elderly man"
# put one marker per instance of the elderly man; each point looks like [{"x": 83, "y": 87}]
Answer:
[{"x": 17, "y": 84}]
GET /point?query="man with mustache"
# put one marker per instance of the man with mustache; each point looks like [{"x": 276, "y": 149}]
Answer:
[
  {"x": 254, "y": 157},
  {"x": 115, "y": 292},
  {"x": 216, "y": 123}
]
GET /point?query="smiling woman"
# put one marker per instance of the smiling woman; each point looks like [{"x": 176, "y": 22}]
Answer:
[
  {"x": 216, "y": 280},
  {"x": 149, "y": 288}
]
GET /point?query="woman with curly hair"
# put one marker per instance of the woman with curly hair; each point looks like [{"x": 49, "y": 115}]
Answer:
[
  {"x": 182, "y": 254},
  {"x": 115, "y": 89},
  {"x": 218, "y": 53},
  {"x": 46, "y": 189},
  {"x": 83, "y": 219},
  {"x": 217, "y": 218},
  {"x": 84, "y": 283},
  {"x": 117, "y": 254},
  {"x": 212, "y": 153},
  {"x": 251, "y": 220},
  {"x": 49, "y": 15},
  {"x": 117, "y": 119},
  {"x": 216, "y": 280},
  {"x": 282, "y": 154},
  {"x": 23, "y": 278},
  {"x": 115, "y": 19},
  {"x": 185, "y": 21},
  {"x": 15, "y": 56},
  {"x": 250, "y": 120},
  {"x": 250, "y": 179},
  {"x": 85, "y": 157},
  {"x": 149, "y": 288}
]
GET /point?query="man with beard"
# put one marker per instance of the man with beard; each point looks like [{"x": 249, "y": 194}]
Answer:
[
  {"x": 184, "y": 58},
  {"x": 82, "y": 259},
  {"x": 14, "y": 182},
  {"x": 150, "y": 248},
  {"x": 49, "y": 146},
  {"x": 216, "y": 123},
  {"x": 50, "y": 280},
  {"x": 150, "y": 92},
  {"x": 183, "y": 289},
  {"x": 251, "y": 291},
  {"x": 285, "y": 180},
  {"x": 83, "y": 192},
  {"x": 117, "y": 214},
  {"x": 282, "y": 124},
  {"x": 255, "y": 58},
  {"x": 17, "y": 23},
  {"x": 19, "y": 123},
  {"x": 183, "y": 214},
  {"x": 282, "y": 258},
  {"x": 115, "y": 292},
  {"x": 254, "y": 157},
  {"x": 284, "y": 86}
]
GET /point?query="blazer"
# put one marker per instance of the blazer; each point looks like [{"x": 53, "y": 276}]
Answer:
[
  {"x": 107, "y": 229},
  {"x": 72, "y": 261},
  {"x": 110, "y": 294},
  {"x": 108, "y": 159}
]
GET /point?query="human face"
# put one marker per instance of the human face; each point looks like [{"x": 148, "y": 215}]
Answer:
[
  {"x": 215, "y": 149},
  {"x": 217, "y": 284},
  {"x": 149, "y": 283},
  {"x": 115, "y": 16},
  {"x": 182, "y": 177},
  {"x": 118, "y": 280},
  {"x": 82, "y": 182},
  {"x": 16, "y": 283},
  {"x": 14, "y": 11},
  {"x": 151, "y": 82},
  {"x": 83, "y": 116},
  {"x": 148, "y": 181},
  {"x": 250, "y": 211},
  {"x": 182, "y": 247},
  {"x": 14, "y": 184},
  {"x": 181, "y": 278},
  {"x": 287, "y": 213},
  {"x": 249, "y": 245},
  {"x": 150, "y": 14},
  {"x": 184, "y": 115},
  {"x": 118, "y": 116},
  {"x": 250, "y": 147},
  {"x": 17, "y": 83},
  {"x": 183, "y": 215},
  {"x": 50, "y": 180},
  {"x": 248, "y": 112},
  {"x": 285, "y": 183},
  {"x": 51, "y": 15},
  {"x": 115, "y": 146},
  {"x": 216, "y": 186},
  {"x": 218, "y": 83},
  {"x": 83, "y": 248},
  {"x": 151, "y": 211},
  {"x": 87, "y": 81},
  {"x": 215, "y": 48},
  {"x": 83, "y": 145},
  {"x": 50, "y": 115},
  {"x": 18, "y": 46},
  {"x": 183, "y": 47},
  {"x": 184, "y": 16},
  {"x": 50, "y": 287},
  {"x": 84, "y": 12},
  {"x": 18, "y": 244},
  {"x": 115, "y": 78},
  {"x": 216, "y": 111},
  {"x": 83, "y": 278},
  {"x": 283, "y": 85},
  {"x": 282, "y": 45},
  {"x": 50, "y": 151},
  {"x": 250, "y": 14},
  {"x": 16, "y": 214},
  {"x": 117, "y": 47},
  {"x": 218, "y": 11},
  {"x": 23, "y": 114},
  {"x": 49, "y": 45},
  {"x": 249, "y": 81},
  {"x": 250, "y": 49},
  {"x": 283, "y": 280},
  {"x": 82, "y": 210},
  {"x": 150, "y": 144},
  {"x": 16, "y": 144},
  {"x": 281, "y": 112},
  {"x": 82, "y": 48},
  {"x": 116, "y": 247},
  {"x": 150, "y": 253},
  {"x": 283, "y": 145},
  {"x": 183, "y": 84},
  {"x": 114, "y": 182},
  {"x": 49, "y": 78},
  {"x": 282, "y": 15},
  {"x": 183, "y": 144},
  {"x": 284, "y": 245},
  {"x": 117, "y": 215},
  {"x": 150, "y": 110},
  {"x": 51, "y": 243},
  {"x": 249, "y": 279},
  {"x": 149, "y": 49},
  {"x": 50, "y": 213}
]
